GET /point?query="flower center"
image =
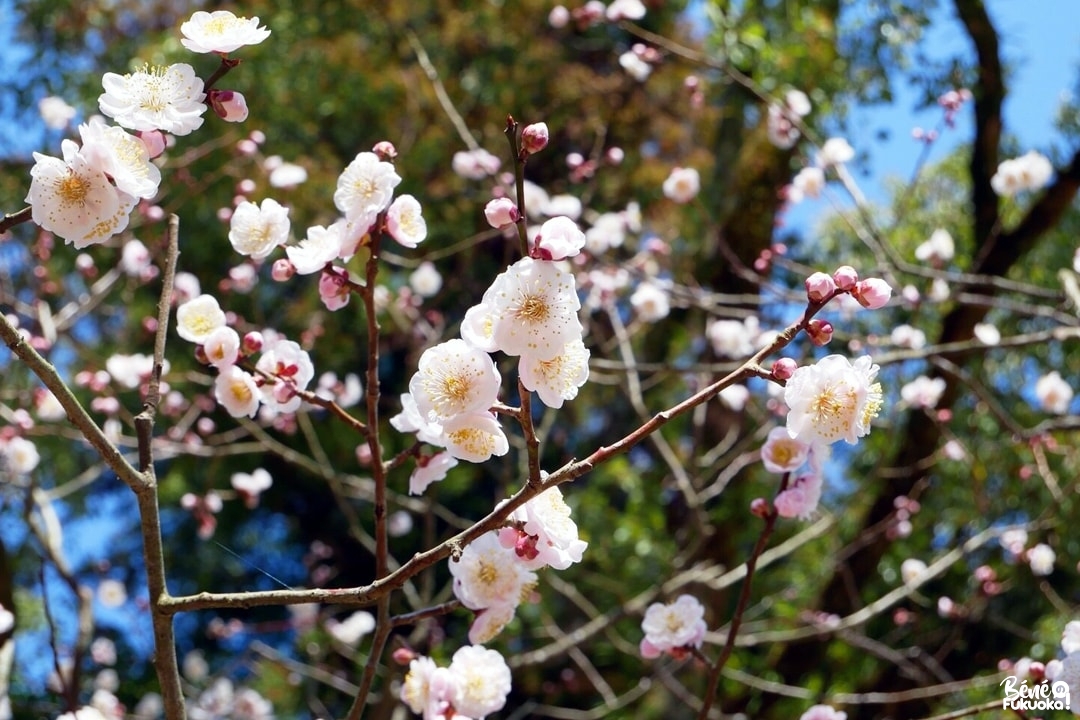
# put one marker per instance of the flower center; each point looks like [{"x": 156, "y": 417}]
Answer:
[
  {"x": 487, "y": 573},
  {"x": 73, "y": 188},
  {"x": 533, "y": 309}
]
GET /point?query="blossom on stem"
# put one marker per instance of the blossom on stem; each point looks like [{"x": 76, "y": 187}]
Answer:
[
  {"x": 430, "y": 469},
  {"x": 673, "y": 628},
  {"x": 237, "y": 392},
  {"x": 365, "y": 187},
  {"x": 535, "y": 304},
  {"x": 823, "y": 712},
  {"x": 322, "y": 245},
  {"x": 534, "y": 137},
  {"x": 121, "y": 156},
  {"x": 800, "y": 498},
  {"x": 474, "y": 436},
  {"x": 482, "y": 681},
  {"x": 229, "y": 105},
  {"x": 559, "y": 238},
  {"x": 1053, "y": 393},
  {"x": 835, "y": 151},
  {"x": 222, "y": 347},
  {"x": 220, "y": 32},
  {"x": 453, "y": 378},
  {"x": 501, "y": 212},
  {"x": 559, "y": 378},
  {"x": 833, "y": 399},
  {"x": 255, "y": 230},
  {"x": 1031, "y": 171},
  {"x": 199, "y": 317},
  {"x": 873, "y": 293},
  {"x": 168, "y": 98},
  {"x": 250, "y": 485},
  {"x": 782, "y": 453},
  {"x": 405, "y": 223},
  {"x": 820, "y": 287},
  {"x": 548, "y": 536},
  {"x": 74, "y": 199}
]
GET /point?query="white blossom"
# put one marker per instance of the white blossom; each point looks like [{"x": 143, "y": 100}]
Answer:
[
  {"x": 535, "y": 304},
  {"x": 220, "y": 32},
  {"x": 168, "y": 98},
  {"x": 559, "y": 378},
  {"x": 255, "y": 230},
  {"x": 454, "y": 378},
  {"x": 672, "y": 626},
  {"x": 833, "y": 399},
  {"x": 199, "y": 317},
  {"x": 482, "y": 681},
  {"x": 366, "y": 186}
]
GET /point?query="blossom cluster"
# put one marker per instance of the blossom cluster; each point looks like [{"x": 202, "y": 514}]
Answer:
[
  {"x": 475, "y": 684},
  {"x": 87, "y": 195}
]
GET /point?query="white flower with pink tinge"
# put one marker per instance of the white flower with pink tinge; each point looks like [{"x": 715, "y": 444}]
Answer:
[
  {"x": 673, "y": 628},
  {"x": 833, "y": 399},
  {"x": 548, "y": 536},
  {"x": 535, "y": 306}
]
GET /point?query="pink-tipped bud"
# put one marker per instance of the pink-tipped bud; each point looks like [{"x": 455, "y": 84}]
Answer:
[
  {"x": 820, "y": 332},
  {"x": 845, "y": 277},
  {"x": 403, "y": 656},
  {"x": 819, "y": 287},
  {"x": 154, "y": 140},
  {"x": 784, "y": 368},
  {"x": 759, "y": 507},
  {"x": 534, "y": 137},
  {"x": 385, "y": 150},
  {"x": 872, "y": 294},
  {"x": 282, "y": 270},
  {"x": 229, "y": 105},
  {"x": 252, "y": 342},
  {"x": 501, "y": 212}
]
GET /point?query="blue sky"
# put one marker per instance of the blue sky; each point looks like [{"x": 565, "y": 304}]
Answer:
[{"x": 1040, "y": 44}]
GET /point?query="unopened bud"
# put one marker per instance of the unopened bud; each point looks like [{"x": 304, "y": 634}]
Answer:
[
  {"x": 229, "y": 105},
  {"x": 820, "y": 332},
  {"x": 534, "y": 137},
  {"x": 385, "y": 150},
  {"x": 819, "y": 287},
  {"x": 784, "y": 368},
  {"x": 759, "y": 507},
  {"x": 282, "y": 270},
  {"x": 845, "y": 277}
]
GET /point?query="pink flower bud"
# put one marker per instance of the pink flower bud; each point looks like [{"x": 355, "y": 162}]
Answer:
[
  {"x": 784, "y": 368},
  {"x": 820, "y": 332},
  {"x": 385, "y": 150},
  {"x": 282, "y": 270},
  {"x": 845, "y": 277},
  {"x": 154, "y": 140},
  {"x": 252, "y": 342},
  {"x": 501, "y": 212},
  {"x": 229, "y": 105},
  {"x": 872, "y": 293},
  {"x": 534, "y": 137},
  {"x": 759, "y": 507},
  {"x": 819, "y": 287}
]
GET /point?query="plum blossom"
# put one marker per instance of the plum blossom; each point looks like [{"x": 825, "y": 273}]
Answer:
[
  {"x": 222, "y": 347},
  {"x": 290, "y": 369},
  {"x": 474, "y": 436},
  {"x": 478, "y": 327},
  {"x": 1031, "y": 171},
  {"x": 365, "y": 187},
  {"x": 807, "y": 183},
  {"x": 912, "y": 570},
  {"x": 1041, "y": 559},
  {"x": 74, "y": 199},
  {"x": 535, "y": 307},
  {"x": 823, "y": 712},
  {"x": 800, "y": 498},
  {"x": 55, "y": 112},
  {"x": 488, "y": 578},
  {"x": 122, "y": 156},
  {"x": 501, "y": 212},
  {"x": 559, "y": 378},
  {"x": 939, "y": 249},
  {"x": 237, "y": 392},
  {"x": 1070, "y": 637},
  {"x": 168, "y": 98},
  {"x": 251, "y": 485},
  {"x": 454, "y": 378},
  {"x": 559, "y": 238},
  {"x": 635, "y": 65},
  {"x": 220, "y": 32},
  {"x": 923, "y": 392},
  {"x": 682, "y": 185},
  {"x": 255, "y": 230},
  {"x": 650, "y": 301},
  {"x": 548, "y": 537},
  {"x": 18, "y": 455},
  {"x": 733, "y": 338},
  {"x": 198, "y": 317},
  {"x": 322, "y": 245},
  {"x": 782, "y": 453},
  {"x": 482, "y": 681},
  {"x": 833, "y": 399},
  {"x": 427, "y": 689},
  {"x": 475, "y": 164},
  {"x": 425, "y": 280},
  {"x": 674, "y": 627},
  {"x": 352, "y": 629},
  {"x": 430, "y": 469},
  {"x": 1053, "y": 393},
  {"x": 411, "y": 420},
  {"x": 835, "y": 151},
  {"x": 229, "y": 105},
  {"x": 405, "y": 223}
]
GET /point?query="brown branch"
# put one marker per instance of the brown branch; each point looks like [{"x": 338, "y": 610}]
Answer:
[{"x": 10, "y": 220}]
